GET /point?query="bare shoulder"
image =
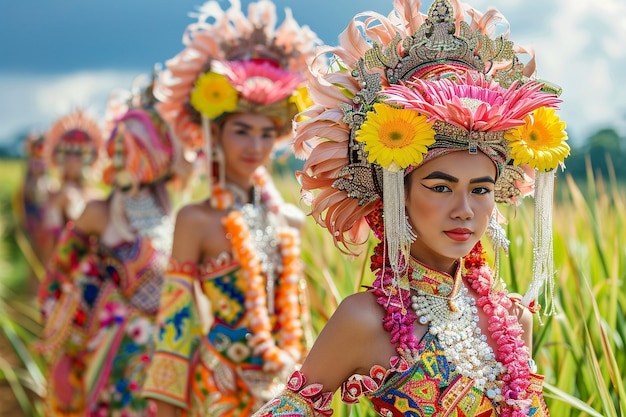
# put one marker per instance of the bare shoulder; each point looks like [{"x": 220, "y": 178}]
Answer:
[
  {"x": 192, "y": 212},
  {"x": 358, "y": 322},
  {"x": 196, "y": 216},
  {"x": 361, "y": 309},
  {"x": 94, "y": 217},
  {"x": 352, "y": 342},
  {"x": 198, "y": 233},
  {"x": 524, "y": 317}
]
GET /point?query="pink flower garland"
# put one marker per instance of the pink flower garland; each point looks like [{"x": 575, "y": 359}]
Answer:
[
  {"x": 505, "y": 328},
  {"x": 506, "y": 332}
]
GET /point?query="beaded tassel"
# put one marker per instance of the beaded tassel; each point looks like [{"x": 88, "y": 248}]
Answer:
[
  {"x": 498, "y": 237},
  {"x": 543, "y": 265},
  {"x": 396, "y": 233}
]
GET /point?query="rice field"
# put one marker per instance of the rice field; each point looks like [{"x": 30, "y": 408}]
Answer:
[{"x": 580, "y": 350}]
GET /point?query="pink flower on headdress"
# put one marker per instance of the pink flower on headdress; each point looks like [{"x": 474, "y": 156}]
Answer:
[
  {"x": 262, "y": 82},
  {"x": 471, "y": 104}
]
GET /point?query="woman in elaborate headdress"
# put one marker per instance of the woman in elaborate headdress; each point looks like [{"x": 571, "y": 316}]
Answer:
[
  {"x": 101, "y": 293},
  {"x": 230, "y": 324},
  {"x": 73, "y": 146},
  {"x": 427, "y": 122}
]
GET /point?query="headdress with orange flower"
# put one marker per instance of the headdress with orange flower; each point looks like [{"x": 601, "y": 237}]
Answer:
[
  {"x": 76, "y": 133},
  {"x": 407, "y": 88}
]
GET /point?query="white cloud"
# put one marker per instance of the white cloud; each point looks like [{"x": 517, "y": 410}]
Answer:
[
  {"x": 34, "y": 102},
  {"x": 578, "y": 45}
]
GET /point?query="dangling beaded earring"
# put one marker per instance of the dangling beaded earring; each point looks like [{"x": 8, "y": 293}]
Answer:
[
  {"x": 219, "y": 165},
  {"x": 410, "y": 233}
]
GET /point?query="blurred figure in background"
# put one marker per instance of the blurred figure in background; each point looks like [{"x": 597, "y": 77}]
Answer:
[
  {"x": 73, "y": 146},
  {"x": 101, "y": 294},
  {"x": 230, "y": 320},
  {"x": 29, "y": 203}
]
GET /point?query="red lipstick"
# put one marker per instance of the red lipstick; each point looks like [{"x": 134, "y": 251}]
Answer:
[{"x": 460, "y": 235}]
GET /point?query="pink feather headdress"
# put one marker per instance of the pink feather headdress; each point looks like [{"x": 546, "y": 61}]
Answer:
[
  {"x": 235, "y": 63},
  {"x": 467, "y": 90}
]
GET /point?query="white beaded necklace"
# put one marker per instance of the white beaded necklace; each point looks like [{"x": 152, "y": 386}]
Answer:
[
  {"x": 453, "y": 319},
  {"x": 147, "y": 219},
  {"x": 262, "y": 224}
]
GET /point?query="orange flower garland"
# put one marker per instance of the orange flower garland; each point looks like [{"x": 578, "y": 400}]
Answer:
[{"x": 289, "y": 349}]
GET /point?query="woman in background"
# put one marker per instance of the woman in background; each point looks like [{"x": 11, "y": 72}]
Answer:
[
  {"x": 29, "y": 203},
  {"x": 230, "y": 320},
  {"x": 73, "y": 146},
  {"x": 101, "y": 294}
]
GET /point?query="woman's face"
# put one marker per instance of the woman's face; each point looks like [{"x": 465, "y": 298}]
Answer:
[
  {"x": 73, "y": 166},
  {"x": 247, "y": 140},
  {"x": 449, "y": 202}
]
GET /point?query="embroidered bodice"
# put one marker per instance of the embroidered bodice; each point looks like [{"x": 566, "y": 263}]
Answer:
[
  {"x": 429, "y": 386},
  {"x": 137, "y": 269},
  {"x": 225, "y": 287},
  {"x": 424, "y": 381},
  {"x": 428, "y": 381}
]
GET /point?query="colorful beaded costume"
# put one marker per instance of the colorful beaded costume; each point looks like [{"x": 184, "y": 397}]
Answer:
[
  {"x": 99, "y": 300},
  {"x": 212, "y": 368}
]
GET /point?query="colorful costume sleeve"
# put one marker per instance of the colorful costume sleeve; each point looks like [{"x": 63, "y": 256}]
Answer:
[
  {"x": 177, "y": 337},
  {"x": 63, "y": 300},
  {"x": 299, "y": 399}
]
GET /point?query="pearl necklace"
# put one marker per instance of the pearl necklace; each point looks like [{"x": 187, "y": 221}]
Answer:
[{"x": 453, "y": 318}]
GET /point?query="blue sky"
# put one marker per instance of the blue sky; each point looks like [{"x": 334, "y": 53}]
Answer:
[{"x": 56, "y": 55}]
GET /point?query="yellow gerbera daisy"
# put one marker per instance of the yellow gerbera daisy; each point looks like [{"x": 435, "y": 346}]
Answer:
[
  {"x": 213, "y": 95},
  {"x": 301, "y": 98},
  {"x": 395, "y": 138},
  {"x": 302, "y": 101},
  {"x": 539, "y": 143}
]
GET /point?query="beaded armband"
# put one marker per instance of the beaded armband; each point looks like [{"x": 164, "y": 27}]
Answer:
[{"x": 299, "y": 400}]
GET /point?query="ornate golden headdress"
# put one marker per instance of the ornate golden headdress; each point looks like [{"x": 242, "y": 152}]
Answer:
[{"x": 444, "y": 84}]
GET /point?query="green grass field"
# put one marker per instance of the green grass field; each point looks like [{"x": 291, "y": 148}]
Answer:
[{"x": 581, "y": 350}]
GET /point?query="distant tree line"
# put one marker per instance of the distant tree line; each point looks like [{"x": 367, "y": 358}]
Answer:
[{"x": 605, "y": 151}]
